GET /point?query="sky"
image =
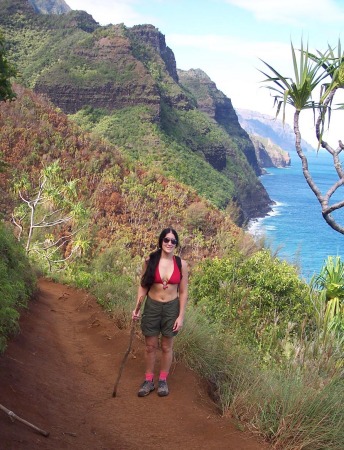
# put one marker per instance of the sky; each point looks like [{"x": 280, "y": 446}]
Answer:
[{"x": 227, "y": 39}]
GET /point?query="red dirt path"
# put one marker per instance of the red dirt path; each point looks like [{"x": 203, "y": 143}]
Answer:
[{"x": 59, "y": 373}]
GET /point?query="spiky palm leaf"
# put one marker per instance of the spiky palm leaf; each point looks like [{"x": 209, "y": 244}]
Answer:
[
  {"x": 331, "y": 281},
  {"x": 297, "y": 92},
  {"x": 334, "y": 66}
]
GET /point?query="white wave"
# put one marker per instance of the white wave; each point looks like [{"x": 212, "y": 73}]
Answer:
[
  {"x": 258, "y": 227},
  {"x": 254, "y": 225},
  {"x": 276, "y": 210}
]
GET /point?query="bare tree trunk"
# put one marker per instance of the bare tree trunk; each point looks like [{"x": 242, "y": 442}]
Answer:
[{"x": 326, "y": 209}]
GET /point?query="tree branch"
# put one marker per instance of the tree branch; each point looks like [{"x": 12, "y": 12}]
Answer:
[
  {"x": 333, "y": 224},
  {"x": 304, "y": 160}
]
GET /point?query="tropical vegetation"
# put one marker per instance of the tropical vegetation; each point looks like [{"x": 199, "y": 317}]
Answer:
[
  {"x": 269, "y": 345},
  {"x": 330, "y": 284}
]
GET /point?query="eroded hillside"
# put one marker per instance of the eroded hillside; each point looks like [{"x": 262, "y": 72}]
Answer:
[{"x": 114, "y": 75}]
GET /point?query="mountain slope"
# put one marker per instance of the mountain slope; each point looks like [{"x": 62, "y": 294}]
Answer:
[
  {"x": 126, "y": 202},
  {"x": 118, "y": 71}
]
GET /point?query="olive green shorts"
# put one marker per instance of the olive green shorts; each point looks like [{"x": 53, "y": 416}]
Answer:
[{"x": 159, "y": 317}]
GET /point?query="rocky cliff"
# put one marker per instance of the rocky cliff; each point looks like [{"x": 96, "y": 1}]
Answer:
[
  {"x": 219, "y": 107},
  {"x": 105, "y": 74},
  {"x": 259, "y": 124},
  {"x": 150, "y": 35},
  {"x": 113, "y": 69},
  {"x": 269, "y": 154}
]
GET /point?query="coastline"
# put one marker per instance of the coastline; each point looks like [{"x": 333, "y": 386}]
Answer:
[{"x": 257, "y": 228}]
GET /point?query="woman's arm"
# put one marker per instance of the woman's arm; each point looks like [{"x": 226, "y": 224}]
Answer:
[{"x": 183, "y": 297}]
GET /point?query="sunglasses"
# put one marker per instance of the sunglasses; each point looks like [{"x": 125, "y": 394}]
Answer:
[{"x": 167, "y": 240}]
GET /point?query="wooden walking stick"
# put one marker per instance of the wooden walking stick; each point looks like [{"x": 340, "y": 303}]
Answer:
[
  {"x": 14, "y": 416},
  {"x": 132, "y": 330}
]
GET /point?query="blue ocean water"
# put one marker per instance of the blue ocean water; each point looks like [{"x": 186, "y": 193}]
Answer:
[{"x": 296, "y": 228}]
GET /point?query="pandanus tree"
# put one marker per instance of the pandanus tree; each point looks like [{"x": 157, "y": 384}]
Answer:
[
  {"x": 320, "y": 74},
  {"x": 50, "y": 204}
]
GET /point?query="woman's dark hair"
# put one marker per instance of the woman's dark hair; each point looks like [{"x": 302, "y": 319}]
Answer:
[{"x": 148, "y": 277}]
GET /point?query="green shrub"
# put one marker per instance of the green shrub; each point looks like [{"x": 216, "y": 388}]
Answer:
[
  {"x": 17, "y": 283},
  {"x": 260, "y": 296}
]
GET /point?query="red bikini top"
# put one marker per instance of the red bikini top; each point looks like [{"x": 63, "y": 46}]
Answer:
[{"x": 174, "y": 279}]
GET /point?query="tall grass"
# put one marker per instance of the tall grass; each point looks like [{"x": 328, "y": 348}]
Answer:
[
  {"x": 201, "y": 347},
  {"x": 284, "y": 409},
  {"x": 295, "y": 405}
]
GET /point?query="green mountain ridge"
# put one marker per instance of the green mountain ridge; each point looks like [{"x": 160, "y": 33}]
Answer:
[{"x": 123, "y": 83}]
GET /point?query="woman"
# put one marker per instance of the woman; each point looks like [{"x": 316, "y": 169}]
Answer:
[{"x": 165, "y": 282}]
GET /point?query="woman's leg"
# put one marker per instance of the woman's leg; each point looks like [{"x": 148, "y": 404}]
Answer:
[
  {"x": 165, "y": 364},
  {"x": 167, "y": 353},
  {"x": 152, "y": 343},
  {"x": 150, "y": 355}
]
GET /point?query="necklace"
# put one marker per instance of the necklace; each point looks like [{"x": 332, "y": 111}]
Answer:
[{"x": 164, "y": 283}]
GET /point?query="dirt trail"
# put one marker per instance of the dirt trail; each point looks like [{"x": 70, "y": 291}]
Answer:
[{"x": 59, "y": 372}]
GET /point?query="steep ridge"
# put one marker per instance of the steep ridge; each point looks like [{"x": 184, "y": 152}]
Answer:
[{"x": 219, "y": 107}]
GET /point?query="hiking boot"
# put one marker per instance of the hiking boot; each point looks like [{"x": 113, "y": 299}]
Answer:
[
  {"x": 162, "y": 388},
  {"x": 146, "y": 388}
]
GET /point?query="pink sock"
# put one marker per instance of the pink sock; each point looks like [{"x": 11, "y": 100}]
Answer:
[
  {"x": 163, "y": 376},
  {"x": 149, "y": 376}
]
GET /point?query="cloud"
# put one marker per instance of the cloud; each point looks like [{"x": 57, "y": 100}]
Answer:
[
  {"x": 112, "y": 11},
  {"x": 233, "y": 63},
  {"x": 297, "y": 12},
  {"x": 231, "y": 46}
]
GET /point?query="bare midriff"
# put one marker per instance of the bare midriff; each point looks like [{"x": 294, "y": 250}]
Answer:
[{"x": 158, "y": 293}]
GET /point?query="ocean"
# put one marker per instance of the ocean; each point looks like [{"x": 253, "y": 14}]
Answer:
[{"x": 296, "y": 229}]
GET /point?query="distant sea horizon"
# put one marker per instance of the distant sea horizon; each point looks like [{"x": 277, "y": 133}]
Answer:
[{"x": 295, "y": 228}]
